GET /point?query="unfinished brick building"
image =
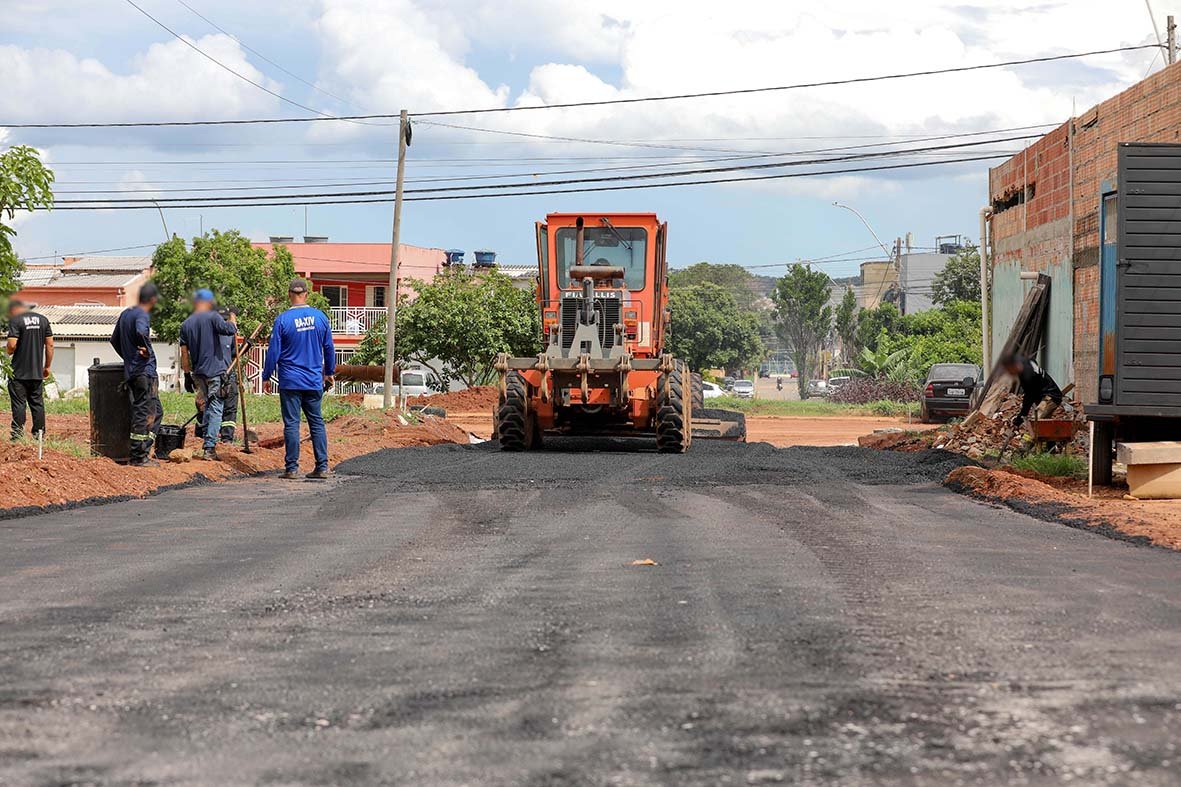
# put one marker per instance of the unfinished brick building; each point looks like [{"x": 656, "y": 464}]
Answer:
[{"x": 1046, "y": 218}]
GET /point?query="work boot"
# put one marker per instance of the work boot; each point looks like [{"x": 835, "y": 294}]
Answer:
[
  {"x": 210, "y": 455},
  {"x": 147, "y": 461},
  {"x": 318, "y": 475},
  {"x": 289, "y": 475}
]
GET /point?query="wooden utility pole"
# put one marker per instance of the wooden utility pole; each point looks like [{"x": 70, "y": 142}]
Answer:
[
  {"x": 391, "y": 294},
  {"x": 1172, "y": 40}
]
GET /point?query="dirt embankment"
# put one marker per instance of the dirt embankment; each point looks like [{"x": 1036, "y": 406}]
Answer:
[
  {"x": 1065, "y": 501},
  {"x": 62, "y": 478},
  {"x": 480, "y": 399}
]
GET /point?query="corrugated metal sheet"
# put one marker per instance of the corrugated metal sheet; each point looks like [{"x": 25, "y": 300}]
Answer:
[
  {"x": 110, "y": 264},
  {"x": 81, "y": 322},
  {"x": 1008, "y": 293},
  {"x": 111, "y": 280}
]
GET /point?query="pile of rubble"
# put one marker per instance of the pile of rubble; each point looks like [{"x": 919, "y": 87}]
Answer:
[{"x": 979, "y": 435}]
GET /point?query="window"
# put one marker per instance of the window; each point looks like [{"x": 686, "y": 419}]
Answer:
[
  {"x": 337, "y": 296},
  {"x": 608, "y": 246},
  {"x": 1110, "y": 219},
  {"x": 375, "y": 297}
]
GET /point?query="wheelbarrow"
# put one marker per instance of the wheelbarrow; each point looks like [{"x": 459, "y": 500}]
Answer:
[{"x": 1052, "y": 434}]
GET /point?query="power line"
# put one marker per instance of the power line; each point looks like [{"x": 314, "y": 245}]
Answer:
[
  {"x": 678, "y": 163},
  {"x": 96, "y": 251},
  {"x": 631, "y": 187},
  {"x": 611, "y": 178},
  {"x": 568, "y": 105}
]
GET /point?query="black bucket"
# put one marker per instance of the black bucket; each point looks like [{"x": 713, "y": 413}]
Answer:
[{"x": 169, "y": 439}]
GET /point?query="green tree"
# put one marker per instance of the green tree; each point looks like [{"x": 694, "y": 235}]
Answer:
[
  {"x": 710, "y": 330},
  {"x": 741, "y": 283},
  {"x": 457, "y": 324},
  {"x": 25, "y": 184},
  {"x": 254, "y": 280},
  {"x": 912, "y": 344},
  {"x": 803, "y": 317},
  {"x": 872, "y": 324},
  {"x": 959, "y": 280},
  {"x": 845, "y": 324}
]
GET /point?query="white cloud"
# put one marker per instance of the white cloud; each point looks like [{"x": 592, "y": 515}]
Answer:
[
  {"x": 169, "y": 81},
  {"x": 663, "y": 47}
]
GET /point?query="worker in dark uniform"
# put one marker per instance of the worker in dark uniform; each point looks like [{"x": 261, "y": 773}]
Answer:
[
  {"x": 229, "y": 393},
  {"x": 1036, "y": 384},
  {"x": 30, "y": 343},
  {"x": 132, "y": 341},
  {"x": 201, "y": 353}
]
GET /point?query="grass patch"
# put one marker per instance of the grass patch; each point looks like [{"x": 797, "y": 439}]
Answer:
[
  {"x": 815, "y": 408},
  {"x": 60, "y": 445},
  {"x": 1061, "y": 465},
  {"x": 261, "y": 409}
]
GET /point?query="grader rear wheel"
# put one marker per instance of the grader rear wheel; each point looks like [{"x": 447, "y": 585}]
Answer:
[
  {"x": 516, "y": 425},
  {"x": 672, "y": 430},
  {"x": 698, "y": 392}
]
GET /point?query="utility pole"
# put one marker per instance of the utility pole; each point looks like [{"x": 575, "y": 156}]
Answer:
[
  {"x": 1172, "y": 40},
  {"x": 391, "y": 295}
]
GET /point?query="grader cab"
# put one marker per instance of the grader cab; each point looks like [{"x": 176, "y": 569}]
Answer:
[{"x": 603, "y": 370}]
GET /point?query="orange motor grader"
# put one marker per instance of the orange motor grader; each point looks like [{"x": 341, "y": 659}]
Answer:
[{"x": 603, "y": 370}]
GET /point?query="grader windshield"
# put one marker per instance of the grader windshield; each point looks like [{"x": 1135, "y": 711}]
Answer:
[{"x": 608, "y": 246}]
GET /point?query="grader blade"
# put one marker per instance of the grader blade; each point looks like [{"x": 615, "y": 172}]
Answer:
[{"x": 714, "y": 424}]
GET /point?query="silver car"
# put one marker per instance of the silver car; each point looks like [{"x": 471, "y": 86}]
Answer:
[{"x": 743, "y": 389}]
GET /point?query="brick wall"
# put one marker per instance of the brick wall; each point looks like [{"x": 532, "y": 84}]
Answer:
[{"x": 1147, "y": 112}]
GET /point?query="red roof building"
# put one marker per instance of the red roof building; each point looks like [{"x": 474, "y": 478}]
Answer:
[{"x": 354, "y": 278}]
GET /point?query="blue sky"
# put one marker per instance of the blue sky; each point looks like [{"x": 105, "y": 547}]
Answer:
[{"x": 82, "y": 60}]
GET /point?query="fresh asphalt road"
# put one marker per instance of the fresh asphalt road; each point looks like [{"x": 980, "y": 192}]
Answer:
[{"x": 458, "y": 616}]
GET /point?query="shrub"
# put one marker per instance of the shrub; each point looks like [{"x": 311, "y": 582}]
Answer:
[
  {"x": 1064, "y": 465},
  {"x": 864, "y": 390}
]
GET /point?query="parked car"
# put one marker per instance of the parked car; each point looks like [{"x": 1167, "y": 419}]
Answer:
[
  {"x": 711, "y": 390},
  {"x": 414, "y": 383},
  {"x": 744, "y": 389},
  {"x": 834, "y": 384},
  {"x": 816, "y": 388},
  {"x": 948, "y": 391}
]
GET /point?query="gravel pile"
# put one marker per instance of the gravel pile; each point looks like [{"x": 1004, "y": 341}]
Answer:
[
  {"x": 570, "y": 461},
  {"x": 977, "y": 437}
]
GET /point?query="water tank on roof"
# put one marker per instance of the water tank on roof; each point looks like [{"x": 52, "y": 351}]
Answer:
[
  {"x": 282, "y": 239},
  {"x": 485, "y": 259},
  {"x": 315, "y": 238},
  {"x": 454, "y": 256}
]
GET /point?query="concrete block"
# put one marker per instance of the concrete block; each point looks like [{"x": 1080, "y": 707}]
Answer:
[
  {"x": 1155, "y": 482},
  {"x": 373, "y": 401},
  {"x": 1164, "y": 452}
]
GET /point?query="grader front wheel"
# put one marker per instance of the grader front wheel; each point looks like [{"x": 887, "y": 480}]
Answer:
[
  {"x": 516, "y": 425},
  {"x": 672, "y": 429}
]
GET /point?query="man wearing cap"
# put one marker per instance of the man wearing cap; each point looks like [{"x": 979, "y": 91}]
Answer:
[
  {"x": 132, "y": 341},
  {"x": 30, "y": 343},
  {"x": 201, "y": 353},
  {"x": 301, "y": 350}
]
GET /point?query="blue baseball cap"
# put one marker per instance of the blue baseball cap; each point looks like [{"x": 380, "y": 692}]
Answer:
[{"x": 203, "y": 295}]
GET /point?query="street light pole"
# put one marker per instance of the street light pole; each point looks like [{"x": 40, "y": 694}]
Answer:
[
  {"x": 391, "y": 294},
  {"x": 892, "y": 256}
]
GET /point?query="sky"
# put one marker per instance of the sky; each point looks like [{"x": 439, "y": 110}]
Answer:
[{"x": 67, "y": 61}]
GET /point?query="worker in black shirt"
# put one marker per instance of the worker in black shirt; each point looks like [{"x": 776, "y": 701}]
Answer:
[
  {"x": 1036, "y": 384},
  {"x": 132, "y": 341},
  {"x": 30, "y": 343}
]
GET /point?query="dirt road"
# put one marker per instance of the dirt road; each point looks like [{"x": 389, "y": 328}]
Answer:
[
  {"x": 781, "y": 431},
  {"x": 452, "y": 615}
]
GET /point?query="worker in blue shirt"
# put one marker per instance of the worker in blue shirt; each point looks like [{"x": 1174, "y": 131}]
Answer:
[
  {"x": 301, "y": 350},
  {"x": 132, "y": 341},
  {"x": 201, "y": 353}
]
